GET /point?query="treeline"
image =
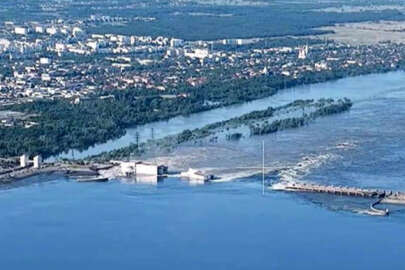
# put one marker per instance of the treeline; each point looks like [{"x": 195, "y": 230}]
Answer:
[
  {"x": 63, "y": 125},
  {"x": 277, "y": 19},
  {"x": 323, "y": 107},
  {"x": 295, "y": 122}
]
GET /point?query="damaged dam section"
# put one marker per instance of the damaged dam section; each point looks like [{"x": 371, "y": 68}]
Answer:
[{"x": 380, "y": 196}]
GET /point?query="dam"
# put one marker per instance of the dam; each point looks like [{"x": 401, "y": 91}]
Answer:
[{"x": 382, "y": 196}]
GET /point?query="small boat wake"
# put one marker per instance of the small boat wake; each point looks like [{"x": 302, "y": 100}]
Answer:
[{"x": 279, "y": 186}]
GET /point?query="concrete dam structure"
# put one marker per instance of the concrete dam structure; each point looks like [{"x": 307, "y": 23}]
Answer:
[{"x": 382, "y": 196}]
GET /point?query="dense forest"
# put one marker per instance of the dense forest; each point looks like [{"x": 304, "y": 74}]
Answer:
[
  {"x": 192, "y": 20},
  {"x": 278, "y": 19},
  {"x": 324, "y": 109},
  {"x": 63, "y": 125}
]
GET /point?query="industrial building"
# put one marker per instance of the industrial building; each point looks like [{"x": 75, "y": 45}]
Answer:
[
  {"x": 25, "y": 161},
  {"x": 175, "y": 42},
  {"x": 20, "y": 30},
  {"x": 143, "y": 168},
  {"x": 130, "y": 168}
]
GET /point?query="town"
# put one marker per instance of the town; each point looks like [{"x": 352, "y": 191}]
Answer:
[
  {"x": 60, "y": 60},
  {"x": 202, "y": 134}
]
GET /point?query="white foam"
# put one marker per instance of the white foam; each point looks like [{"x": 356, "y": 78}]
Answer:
[
  {"x": 305, "y": 166},
  {"x": 226, "y": 177},
  {"x": 279, "y": 186},
  {"x": 346, "y": 145},
  {"x": 368, "y": 212}
]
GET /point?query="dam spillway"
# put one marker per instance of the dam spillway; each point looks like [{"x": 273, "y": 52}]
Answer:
[
  {"x": 382, "y": 196},
  {"x": 346, "y": 191}
]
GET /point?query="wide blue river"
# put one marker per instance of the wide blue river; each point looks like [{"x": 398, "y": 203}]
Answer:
[{"x": 50, "y": 222}]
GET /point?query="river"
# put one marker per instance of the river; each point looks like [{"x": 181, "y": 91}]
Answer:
[
  {"x": 55, "y": 223},
  {"x": 356, "y": 88}
]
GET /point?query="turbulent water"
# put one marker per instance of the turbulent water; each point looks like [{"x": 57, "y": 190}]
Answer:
[
  {"x": 370, "y": 134},
  {"x": 358, "y": 88},
  {"x": 54, "y": 222}
]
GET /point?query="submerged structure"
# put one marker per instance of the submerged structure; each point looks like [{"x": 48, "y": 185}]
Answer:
[
  {"x": 132, "y": 168},
  {"x": 196, "y": 175},
  {"x": 382, "y": 196}
]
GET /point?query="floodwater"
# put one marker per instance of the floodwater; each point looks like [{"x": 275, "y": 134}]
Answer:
[
  {"x": 54, "y": 223},
  {"x": 61, "y": 224},
  {"x": 356, "y": 88}
]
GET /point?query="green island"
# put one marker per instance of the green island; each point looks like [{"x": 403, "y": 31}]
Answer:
[{"x": 270, "y": 120}]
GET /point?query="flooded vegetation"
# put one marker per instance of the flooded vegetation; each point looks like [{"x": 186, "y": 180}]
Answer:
[
  {"x": 362, "y": 147},
  {"x": 270, "y": 120},
  {"x": 202, "y": 134}
]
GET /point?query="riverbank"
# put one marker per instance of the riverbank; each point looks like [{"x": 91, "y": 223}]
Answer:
[
  {"x": 63, "y": 126},
  {"x": 270, "y": 120},
  {"x": 66, "y": 169},
  {"x": 367, "y": 135},
  {"x": 352, "y": 88}
]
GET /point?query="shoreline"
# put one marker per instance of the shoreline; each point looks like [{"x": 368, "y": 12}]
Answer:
[
  {"x": 96, "y": 173},
  {"x": 91, "y": 148},
  {"x": 24, "y": 173}
]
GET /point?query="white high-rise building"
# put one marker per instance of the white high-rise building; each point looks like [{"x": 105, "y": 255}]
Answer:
[
  {"x": 303, "y": 52},
  {"x": 93, "y": 45},
  {"x": 39, "y": 29},
  {"x": 20, "y": 30},
  {"x": 197, "y": 53},
  {"x": 44, "y": 61},
  {"x": 77, "y": 31},
  {"x": 45, "y": 77},
  {"x": 175, "y": 42},
  {"x": 60, "y": 47},
  {"x": 51, "y": 31}
]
